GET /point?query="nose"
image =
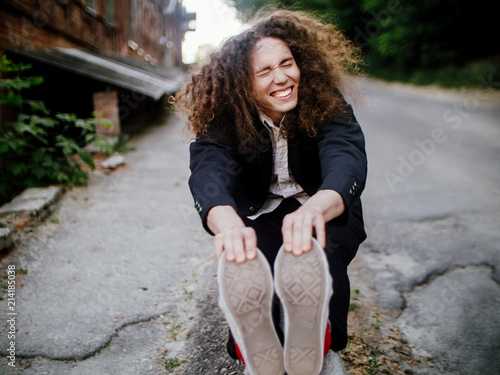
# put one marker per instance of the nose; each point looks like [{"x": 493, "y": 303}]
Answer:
[{"x": 279, "y": 76}]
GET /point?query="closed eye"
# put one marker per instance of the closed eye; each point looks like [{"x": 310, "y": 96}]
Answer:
[
  {"x": 285, "y": 63},
  {"x": 264, "y": 73}
]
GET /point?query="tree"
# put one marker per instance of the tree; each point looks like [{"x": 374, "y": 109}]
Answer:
[{"x": 408, "y": 34}]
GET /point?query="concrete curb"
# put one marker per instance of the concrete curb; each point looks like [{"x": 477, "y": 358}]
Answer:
[
  {"x": 32, "y": 202},
  {"x": 113, "y": 162},
  {"x": 7, "y": 233}
]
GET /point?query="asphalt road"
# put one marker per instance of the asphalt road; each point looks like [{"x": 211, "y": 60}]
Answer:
[
  {"x": 115, "y": 275},
  {"x": 432, "y": 209}
]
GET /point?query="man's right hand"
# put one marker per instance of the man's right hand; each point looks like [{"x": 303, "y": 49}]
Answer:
[{"x": 238, "y": 241}]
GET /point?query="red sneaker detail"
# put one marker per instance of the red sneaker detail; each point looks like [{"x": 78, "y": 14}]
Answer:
[
  {"x": 328, "y": 340},
  {"x": 240, "y": 356}
]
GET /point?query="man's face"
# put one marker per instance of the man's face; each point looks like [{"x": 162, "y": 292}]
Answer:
[{"x": 275, "y": 77}]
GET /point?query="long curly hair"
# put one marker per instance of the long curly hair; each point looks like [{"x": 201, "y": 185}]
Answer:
[{"x": 219, "y": 92}]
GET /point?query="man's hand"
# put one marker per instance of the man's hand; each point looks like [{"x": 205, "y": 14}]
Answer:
[
  {"x": 238, "y": 241},
  {"x": 299, "y": 226}
]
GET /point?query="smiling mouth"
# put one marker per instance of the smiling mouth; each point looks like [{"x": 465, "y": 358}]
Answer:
[{"x": 283, "y": 93}]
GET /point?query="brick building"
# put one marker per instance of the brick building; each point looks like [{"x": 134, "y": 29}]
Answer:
[{"x": 110, "y": 56}]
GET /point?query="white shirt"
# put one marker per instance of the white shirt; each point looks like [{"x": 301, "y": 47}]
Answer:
[{"x": 283, "y": 185}]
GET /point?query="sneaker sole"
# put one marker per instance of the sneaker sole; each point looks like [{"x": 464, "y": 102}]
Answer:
[
  {"x": 245, "y": 295},
  {"x": 304, "y": 285}
]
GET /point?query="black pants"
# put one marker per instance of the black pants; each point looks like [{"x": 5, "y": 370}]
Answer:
[{"x": 269, "y": 240}]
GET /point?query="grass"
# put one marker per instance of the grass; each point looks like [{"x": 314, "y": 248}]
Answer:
[
  {"x": 171, "y": 364},
  {"x": 121, "y": 144},
  {"x": 376, "y": 323},
  {"x": 188, "y": 294},
  {"x": 174, "y": 330},
  {"x": 355, "y": 297},
  {"x": 373, "y": 362}
]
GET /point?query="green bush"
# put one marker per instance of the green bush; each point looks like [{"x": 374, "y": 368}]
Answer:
[
  {"x": 36, "y": 147},
  {"x": 472, "y": 75},
  {"x": 458, "y": 76}
]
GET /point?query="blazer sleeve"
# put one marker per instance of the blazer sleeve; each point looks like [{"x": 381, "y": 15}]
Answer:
[
  {"x": 213, "y": 169},
  {"x": 342, "y": 155}
]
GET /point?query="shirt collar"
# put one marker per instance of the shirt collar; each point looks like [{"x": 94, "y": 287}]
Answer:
[{"x": 266, "y": 120}]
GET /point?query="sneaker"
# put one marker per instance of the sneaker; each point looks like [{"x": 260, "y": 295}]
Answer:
[
  {"x": 245, "y": 295},
  {"x": 304, "y": 285},
  {"x": 333, "y": 364}
]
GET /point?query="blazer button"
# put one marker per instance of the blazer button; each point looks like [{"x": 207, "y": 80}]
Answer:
[{"x": 252, "y": 209}]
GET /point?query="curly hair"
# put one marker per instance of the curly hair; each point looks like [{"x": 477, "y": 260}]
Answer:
[{"x": 219, "y": 91}]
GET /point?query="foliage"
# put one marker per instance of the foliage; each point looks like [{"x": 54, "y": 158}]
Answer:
[
  {"x": 37, "y": 147},
  {"x": 373, "y": 362},
  {"x": 121, "y": 146},
  {"x": 248, "y": 8},
  {"x": 431, "y": 33},
  {"x": 171, "y": 364},
  {"x": 484, "y": 74},
  {"x": 401, "y": 37}
]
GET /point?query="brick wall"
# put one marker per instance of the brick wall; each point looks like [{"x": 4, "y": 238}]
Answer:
[{"x": 41, "y": 24}]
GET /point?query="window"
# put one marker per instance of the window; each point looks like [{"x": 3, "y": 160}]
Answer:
[
  {"x": 110, "y": 12},
  {"x": 90, "y": 7}
]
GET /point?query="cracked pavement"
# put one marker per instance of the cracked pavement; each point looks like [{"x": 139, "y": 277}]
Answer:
[
  {"x": 116, "y": 274},
  {"x": 432, "y": 210}
]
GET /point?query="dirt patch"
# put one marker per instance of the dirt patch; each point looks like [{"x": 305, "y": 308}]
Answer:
[
  {"x": 205, "y": 352},
  {"x": 375, "y": 344}
]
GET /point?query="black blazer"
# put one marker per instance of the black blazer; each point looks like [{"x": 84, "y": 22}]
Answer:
[{"x": 223, "y": 173}]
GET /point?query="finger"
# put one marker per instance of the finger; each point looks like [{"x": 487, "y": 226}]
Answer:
[
  {"x": 218, "y": 245},
  {"x": 229, "y": 249},
  {"x": 297, "y": 236},
  {"x": 239, "y": 249},
  {"x": 250, "y": 241},
  {"x": 307, "y": 229},
  {"x": 319, "y": 229},
  {"x": 286, "y": 231}
]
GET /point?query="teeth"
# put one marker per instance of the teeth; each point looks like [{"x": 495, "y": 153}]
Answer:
[{"x": 283, "y": 93}]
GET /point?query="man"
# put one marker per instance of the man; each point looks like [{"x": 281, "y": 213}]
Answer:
[{"x": 278, "y": 166}]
